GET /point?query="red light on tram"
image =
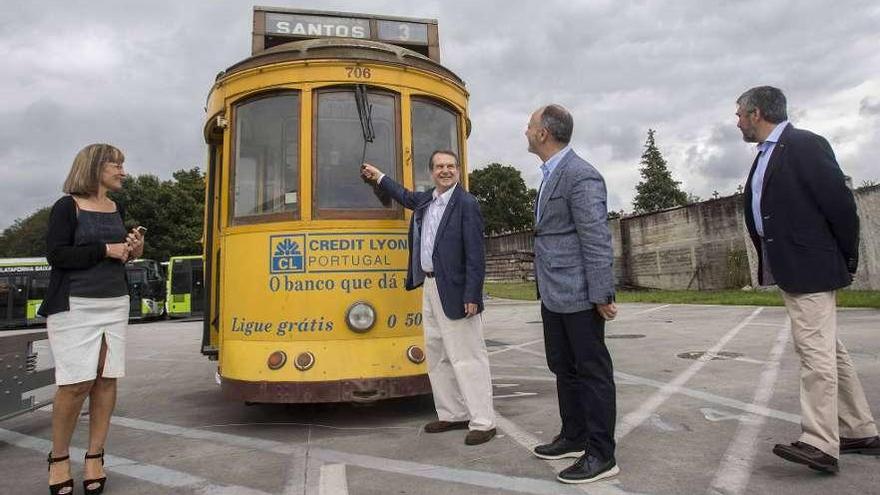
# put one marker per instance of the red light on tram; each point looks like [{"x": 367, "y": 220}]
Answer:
[
  {"x": 276, "y": 360},
  {"x": 415, "y": 354}
]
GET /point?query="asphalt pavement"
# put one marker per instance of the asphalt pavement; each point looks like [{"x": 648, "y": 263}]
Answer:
[{"x": 704, "y": 392}]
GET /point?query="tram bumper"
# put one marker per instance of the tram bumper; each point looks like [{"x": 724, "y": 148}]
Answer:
[{"x": 352, "y": 390}]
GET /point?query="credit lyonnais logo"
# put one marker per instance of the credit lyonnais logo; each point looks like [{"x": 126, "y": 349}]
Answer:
[{"x": 287, "y": 254}]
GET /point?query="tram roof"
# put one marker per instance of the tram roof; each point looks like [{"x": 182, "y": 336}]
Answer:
[{"x": 341, "y": 48}]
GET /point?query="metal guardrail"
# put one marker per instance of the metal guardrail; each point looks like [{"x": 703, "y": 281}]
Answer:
[{"x": 19, "y": 374}]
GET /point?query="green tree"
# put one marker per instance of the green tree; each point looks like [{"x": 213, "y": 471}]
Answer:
[
  {"x": 506, "y": 203},
  {"x": 657, "y": 190},
  {"x": 171, "y": 210},
  {"x": 26, "y": 237}
]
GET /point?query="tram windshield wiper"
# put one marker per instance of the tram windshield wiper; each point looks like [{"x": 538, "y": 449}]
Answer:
[{"x": 365, "y": 114}]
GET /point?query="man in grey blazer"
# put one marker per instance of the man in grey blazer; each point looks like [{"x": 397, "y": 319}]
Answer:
[{"x": 576, "y": 286}]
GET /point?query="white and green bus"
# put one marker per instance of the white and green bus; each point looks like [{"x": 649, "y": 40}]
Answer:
[
  {"x": 23, "y": 284},
  {"x": 185, "y": 295}
]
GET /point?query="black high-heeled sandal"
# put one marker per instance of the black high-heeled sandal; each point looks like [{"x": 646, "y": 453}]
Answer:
[
  {"x": 57, "y": 487},
  {"x": 100, "y": 481}
]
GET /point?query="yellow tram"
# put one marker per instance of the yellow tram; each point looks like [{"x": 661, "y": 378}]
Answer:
[{"x": 304, "y": 264}]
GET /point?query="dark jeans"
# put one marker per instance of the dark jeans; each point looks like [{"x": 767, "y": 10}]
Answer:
[{"x": 577, "y": 355}]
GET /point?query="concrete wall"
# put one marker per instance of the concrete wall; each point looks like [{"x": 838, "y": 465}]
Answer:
[
  {"x": 690, "y": 247},
  {"x": 868, "y": 203},
  {"x": 699, "y": 246}
]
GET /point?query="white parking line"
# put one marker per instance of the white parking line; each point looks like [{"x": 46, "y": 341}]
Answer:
[
  {"x": 333, "y": 480},
  {"x": 529, "y": 441},
  {"x": 516, "y": 346},
  {"x": 696, "y": 394},
  {"x": 623, "y": 318},
  {"x": 735, "y": 470},
  {"x": 632, "y": 420},
  {"x": 440, "y": 473},
  {"x": 157, "y": 475},
  {"x": 627, "y": 316}
]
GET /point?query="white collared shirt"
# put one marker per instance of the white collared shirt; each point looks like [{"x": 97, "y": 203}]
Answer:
[{"x": 430, "y": 224}]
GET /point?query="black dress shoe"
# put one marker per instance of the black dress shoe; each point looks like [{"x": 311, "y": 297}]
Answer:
[
  {"x": 588, "y": 469},
  {"x": 867, "y": 445},
  {"x": 803, "y": 453},
  {"x": 559, "y": 448},
  {"x": 476, "y": 437}
]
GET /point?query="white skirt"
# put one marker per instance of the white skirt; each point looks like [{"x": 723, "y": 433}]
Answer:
[{"x": 75, "y": 338}]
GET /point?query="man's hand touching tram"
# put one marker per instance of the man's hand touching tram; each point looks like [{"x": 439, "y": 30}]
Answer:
[
  {"x": 370, "y": 172},
  {"x": 470, "y": 309},
  {"x": 607, "y": 311}
]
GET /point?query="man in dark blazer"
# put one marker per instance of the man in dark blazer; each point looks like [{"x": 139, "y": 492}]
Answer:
[
  {"x": 573, "y": 260},
  {"x": 447, "y": 257},
  {"x": 802, "y": 219}
]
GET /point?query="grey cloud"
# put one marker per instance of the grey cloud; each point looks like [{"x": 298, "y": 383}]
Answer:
[
  {"x": 869, "y": 107},
  {"x": 619, "y": 67},
  {"x": 721, "y": 163}
]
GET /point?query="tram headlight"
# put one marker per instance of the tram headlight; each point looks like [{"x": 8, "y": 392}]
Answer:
[{"x": 360, "y": 317}]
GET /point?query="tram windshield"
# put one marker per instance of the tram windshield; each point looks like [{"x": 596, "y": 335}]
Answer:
[
  {"x": 339, "y": 190},
  {"x": 266, "y": 172}
]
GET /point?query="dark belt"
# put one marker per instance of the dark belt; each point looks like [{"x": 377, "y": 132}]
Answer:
[{"x": 429, "y": 274}]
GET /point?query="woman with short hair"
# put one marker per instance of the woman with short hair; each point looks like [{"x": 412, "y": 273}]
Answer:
[{"x": 87, "y": 307}]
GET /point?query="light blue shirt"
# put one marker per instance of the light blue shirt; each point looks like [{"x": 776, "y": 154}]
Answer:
[
  {"x": 766, "y": 149},
  {"x": 547, "y": 169}
]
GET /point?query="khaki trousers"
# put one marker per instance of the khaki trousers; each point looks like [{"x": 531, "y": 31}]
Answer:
[
  {"x": 458, "y": 364},
  {"x": 833, "y": 403}
]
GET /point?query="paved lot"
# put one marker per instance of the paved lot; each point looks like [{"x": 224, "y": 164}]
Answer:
[{"x": 685, "y": 425}]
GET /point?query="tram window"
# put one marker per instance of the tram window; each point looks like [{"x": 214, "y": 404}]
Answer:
[
  {"x": 266, "y": 158},
  {"x": 434, "y": 127},
  {"x": 339, "y": 190}
]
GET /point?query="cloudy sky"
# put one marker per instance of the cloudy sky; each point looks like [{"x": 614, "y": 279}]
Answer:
[{"x": 136, "y": 74}]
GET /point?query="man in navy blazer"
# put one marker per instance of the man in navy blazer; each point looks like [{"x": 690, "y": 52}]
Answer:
[
  {"x": 447, "y": 258},
  {"x": 802, "y": 220}
]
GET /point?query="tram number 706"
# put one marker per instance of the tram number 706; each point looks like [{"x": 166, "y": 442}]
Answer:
[{"x": 358, "y": 72}]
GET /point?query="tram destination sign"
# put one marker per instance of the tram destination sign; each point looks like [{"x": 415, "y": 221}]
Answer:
[{"x": 316, "y": 26}]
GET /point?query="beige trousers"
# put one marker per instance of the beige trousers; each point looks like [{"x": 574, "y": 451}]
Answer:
[
  {"x": 833, "y": 403},
  {"x": 458, "y": 364}
]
